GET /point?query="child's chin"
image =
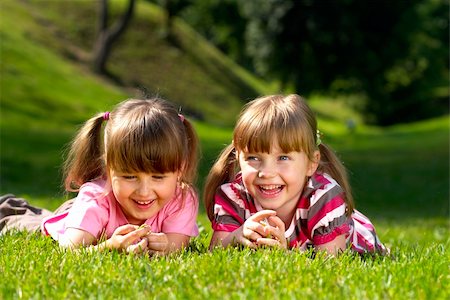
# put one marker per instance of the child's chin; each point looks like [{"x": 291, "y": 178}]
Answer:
[{"x": 268, "y": 205}]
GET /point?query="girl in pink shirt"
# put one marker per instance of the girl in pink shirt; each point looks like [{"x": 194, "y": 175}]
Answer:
[
  {"x": 279, "y": 185},
  {"x": 133, "y": 169}
]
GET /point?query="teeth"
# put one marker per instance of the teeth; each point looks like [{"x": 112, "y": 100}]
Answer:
[
  {"x": 144, "y": 202},
  {"x": 270, "y": 187}
]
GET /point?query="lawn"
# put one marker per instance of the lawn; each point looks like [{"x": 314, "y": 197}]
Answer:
[
  {"x": 400, "y": 177},
  {"x": 417, "y": 234}
]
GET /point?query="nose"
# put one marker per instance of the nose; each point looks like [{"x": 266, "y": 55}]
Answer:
[
  {"x": 144, "y": 189},
  {"x": 267, "y": 170}
]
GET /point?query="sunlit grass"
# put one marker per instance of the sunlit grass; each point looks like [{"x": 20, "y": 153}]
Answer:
[{"x": 43, "y": 271}]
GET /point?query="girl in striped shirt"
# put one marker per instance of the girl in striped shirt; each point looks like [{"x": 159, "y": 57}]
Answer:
[{"x": 277, "y": 184}]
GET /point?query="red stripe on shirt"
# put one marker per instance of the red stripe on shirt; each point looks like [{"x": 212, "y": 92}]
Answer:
[
  {"x": 327, "y": 207},
  {"x": 323, "y": 239},
  {"x": 363, "y": 243},
  {"x": 228, "y": 208}
]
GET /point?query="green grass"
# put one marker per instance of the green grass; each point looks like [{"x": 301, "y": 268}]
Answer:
[
  {"x": 416, "y": 231},
  {"x": 33, "y": 267},
  {"x": 400, "y": 174}
]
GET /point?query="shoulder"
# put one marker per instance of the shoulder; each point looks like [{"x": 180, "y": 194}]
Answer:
[
  {"x": 322, "y": 193},
  {"x": 321, "y": 184},
  {"x": 95, "y": 187},
  {"x": 322, "y": 181},
  {"x": 234, "y": 191}
]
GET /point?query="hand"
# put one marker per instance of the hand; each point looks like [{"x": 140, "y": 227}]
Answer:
[
  {"x": 253, "y": 229},
  {"x": 274, "y": 233},
  {"x": 157, "y": 243},
  {"x": 129, "y": 238}
]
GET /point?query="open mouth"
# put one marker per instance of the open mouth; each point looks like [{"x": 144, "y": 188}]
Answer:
[
  {"x": 143, "y": 203},
  {"x": 270, "y": 190}
]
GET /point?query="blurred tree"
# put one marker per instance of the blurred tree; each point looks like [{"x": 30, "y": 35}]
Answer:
[
  {"x": 221, "y": 22},
  {"x": 394, "y": 52},
  {"x": 107, "y": 34},
  {"x": 172, "y": 8}
]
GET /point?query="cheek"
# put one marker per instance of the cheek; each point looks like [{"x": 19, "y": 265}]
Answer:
[
  {"x": 121, "y": 188},
  {"x": 247, "y": 179},
  {"x": 167, "y": 191}
]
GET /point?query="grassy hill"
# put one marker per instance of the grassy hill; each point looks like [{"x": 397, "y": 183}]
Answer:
[{"x": 185, "y": 69}]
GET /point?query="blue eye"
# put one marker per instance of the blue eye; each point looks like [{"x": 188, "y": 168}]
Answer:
[{"x": 284, "y": 157}]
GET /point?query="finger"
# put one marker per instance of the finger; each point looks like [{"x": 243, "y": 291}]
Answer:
[
  {"x": 156, "y": 237},
  {"x": 277, "y": 222},
  {"x": 157, "y": 246},
  {"x": 268, "y": 242},
  {"x": 247, "y": 243},
  {"x": 275, "y": 234},
  {"x": 276, "y": 230},
  {"x": 253, "y": 230},
  {"x": 261, "y": 215},
  {"x": 143, "y": 231},
  {"x": 137, "y": 248},
  {"x": 136, "y": 235},
  {"x": 157, "y": 241},
  {"x": 155, "y": 253},
  {"x": 124, "y": 229}
]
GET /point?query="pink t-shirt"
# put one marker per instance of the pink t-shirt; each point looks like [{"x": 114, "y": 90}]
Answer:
[{"x": 96, "y": 210}]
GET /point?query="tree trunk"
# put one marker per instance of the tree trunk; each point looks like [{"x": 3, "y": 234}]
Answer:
[{"x": 106, "y": 36}]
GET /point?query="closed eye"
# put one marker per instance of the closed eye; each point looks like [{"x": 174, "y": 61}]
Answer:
[{"x": 251, "y": 158}]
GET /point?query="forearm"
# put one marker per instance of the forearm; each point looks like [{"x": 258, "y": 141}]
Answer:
[
  {"x": 75, "y": 239},
  {"x": 224, "y": 239},
  {"x": 176, "y": 242},
  {"x": 334, "y": 247}
]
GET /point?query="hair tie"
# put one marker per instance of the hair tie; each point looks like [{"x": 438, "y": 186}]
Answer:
[
  {"x": 318, "y": 139},
  {"x": 106, "y": 116},
  {"x": 181, "y": 117}
]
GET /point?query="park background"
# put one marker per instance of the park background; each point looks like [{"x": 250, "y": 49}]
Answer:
[{"x": 381, "y": 67}]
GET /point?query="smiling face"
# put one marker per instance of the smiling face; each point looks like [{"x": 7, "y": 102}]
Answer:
[
  {"x": 276, "y": 179},
  {"x": 142, "y": 195}
]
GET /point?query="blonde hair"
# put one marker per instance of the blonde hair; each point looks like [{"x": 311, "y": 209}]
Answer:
[
  {"x": 139, "y": 136},
  {"x": 285, "y": 119}
]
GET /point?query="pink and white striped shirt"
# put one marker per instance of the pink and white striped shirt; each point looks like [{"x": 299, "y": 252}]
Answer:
[{"x": 319, "y": 217}]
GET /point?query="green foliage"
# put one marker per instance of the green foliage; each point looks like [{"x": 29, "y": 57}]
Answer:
[{"x": 395, "y": 53}]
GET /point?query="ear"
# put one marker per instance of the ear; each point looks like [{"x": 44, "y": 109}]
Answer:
[{"x": 314, "y": 164}]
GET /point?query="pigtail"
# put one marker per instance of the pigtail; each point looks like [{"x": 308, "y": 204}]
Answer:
[
  {"x": 221, "y": 172},
  {"x": 84, "y": 161},
  {"x": 191, "y": 161},
  {"x": 330, "y": 164}
]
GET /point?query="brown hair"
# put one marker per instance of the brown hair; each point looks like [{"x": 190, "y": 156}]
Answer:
[
  {"x": 285, "y": 119},
  {"x": 139, "y": 136}
]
